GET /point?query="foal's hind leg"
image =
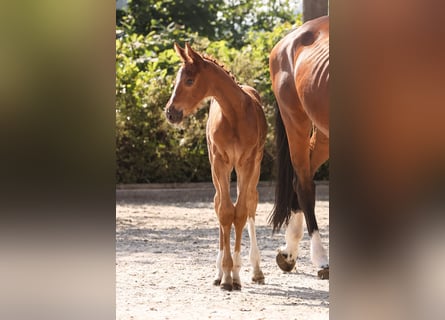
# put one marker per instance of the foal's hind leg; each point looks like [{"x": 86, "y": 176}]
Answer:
[
  {"x": 245, "y": 209},
  {"x": 219, "y": 271},
  {"x": 252, "y": 202},
  {"x": 254, "y": 253}
]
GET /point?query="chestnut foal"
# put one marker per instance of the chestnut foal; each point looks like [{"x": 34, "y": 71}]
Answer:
[{"x": 236, "y": 133}]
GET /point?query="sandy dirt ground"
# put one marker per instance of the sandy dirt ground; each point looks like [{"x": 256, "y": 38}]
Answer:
[{"x": 166, "y": 249}]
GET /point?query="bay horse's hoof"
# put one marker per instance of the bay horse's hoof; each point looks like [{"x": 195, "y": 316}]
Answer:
[
  {"x": 216, "y": 282},
  {"x": 226, "y": 287},
  {"x": 284, "y": 264},
  {"x": 323, "y": 273}
]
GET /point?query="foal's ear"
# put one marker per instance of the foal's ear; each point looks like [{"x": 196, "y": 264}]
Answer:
[
  {"x": 195, "y": 57},
  {"x": 181, "y": 52}
]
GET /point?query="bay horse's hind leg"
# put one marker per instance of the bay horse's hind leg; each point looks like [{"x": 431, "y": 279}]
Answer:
[
  {"x": 305, "y": 189},
  {"x": 307, "y": 154},
  {"x": 306, "y": 162},
  {"x": 298, "y": 127},
  {"x": 319, "y": 155},
  {"x": 287, "y": 255}
]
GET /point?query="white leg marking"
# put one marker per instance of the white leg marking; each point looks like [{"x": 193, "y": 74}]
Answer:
[
  {"x": 318, "y": 254},
  {"x": 254, "y": 253},
  {"x": 294, "y": 233},
  {"x": 236, "y": 267},
  {"x": 219, "y": 271}
]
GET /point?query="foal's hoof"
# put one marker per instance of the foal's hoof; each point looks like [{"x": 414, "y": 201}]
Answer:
[
  {"x": 236, "y": 286},
  {"x": 284, "y": 264},
  {"x": 323, "y": 273},
  {"x": 216, "y": 282},
  {"x": 227, "y": 286},
  {"x": 259, "y": 278}
]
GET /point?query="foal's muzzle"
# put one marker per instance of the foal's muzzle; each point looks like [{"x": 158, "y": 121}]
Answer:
[{"x": 173, "y": 115}]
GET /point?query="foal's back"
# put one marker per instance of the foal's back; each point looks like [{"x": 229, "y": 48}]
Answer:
[{"x": 243, "y": 135}]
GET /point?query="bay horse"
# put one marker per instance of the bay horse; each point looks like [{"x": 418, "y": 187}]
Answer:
[
  {"x": 236, "y": 133},
  {"x": 299, "y": 71}
]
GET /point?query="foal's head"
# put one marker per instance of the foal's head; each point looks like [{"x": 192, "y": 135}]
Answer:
[{"x": 190, "y": 86}]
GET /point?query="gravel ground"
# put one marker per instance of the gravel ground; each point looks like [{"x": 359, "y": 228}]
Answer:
[{"x": 165, "y": 263}]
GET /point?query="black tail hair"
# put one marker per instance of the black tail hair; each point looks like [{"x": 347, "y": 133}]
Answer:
[{"x": 286, "y": 199}]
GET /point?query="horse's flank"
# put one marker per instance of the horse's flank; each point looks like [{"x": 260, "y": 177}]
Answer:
[{"x": 300, "y": 61}]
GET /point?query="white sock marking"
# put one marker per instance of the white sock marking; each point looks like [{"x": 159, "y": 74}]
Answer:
[
  {"x": 219, "y": 271},
  {"x": 318, "y": 254},
  {"x": 236, "y": 266},
  {"x": 294, "y": 233},
  {"x": 254, "y": 253}
]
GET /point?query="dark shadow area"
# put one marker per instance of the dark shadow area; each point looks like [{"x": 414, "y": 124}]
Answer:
[
  {"x": 165, "y": 240},
  {"x": 199, "y": 192},
  {"x": 303, "y": 293}
]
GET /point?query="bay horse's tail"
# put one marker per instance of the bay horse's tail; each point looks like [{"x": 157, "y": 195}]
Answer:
[{"x": 286, "y": 199}]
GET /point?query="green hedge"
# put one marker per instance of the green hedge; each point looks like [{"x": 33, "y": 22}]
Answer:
[{"x": 148, "y": 149}]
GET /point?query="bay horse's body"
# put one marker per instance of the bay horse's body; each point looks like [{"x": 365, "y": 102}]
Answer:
[
  {"x": 236, "y": 133},
  {"x": 299, "y": 69}
]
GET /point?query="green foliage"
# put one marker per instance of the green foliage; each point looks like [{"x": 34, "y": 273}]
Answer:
[
  {"x": 239, "y": 17},
  {"x": 196, "y": 15},
  {"x": 148, "y": 149},
  {"x": 229, "y": 20}
]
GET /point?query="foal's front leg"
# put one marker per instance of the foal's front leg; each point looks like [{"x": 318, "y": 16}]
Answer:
[
  {"x": 225, "y": 211},
  {"x": 225, "y": 216},
  {"x": 224, "y": 261}
]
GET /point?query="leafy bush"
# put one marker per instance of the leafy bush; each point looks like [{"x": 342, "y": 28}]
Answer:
[{"x": 148, "y": 149}]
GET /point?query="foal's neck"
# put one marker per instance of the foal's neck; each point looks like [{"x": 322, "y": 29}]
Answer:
[{"x": 225, "y": 90}]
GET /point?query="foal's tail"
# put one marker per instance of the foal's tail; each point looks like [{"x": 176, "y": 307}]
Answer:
[{"x": 285, "y": 197}]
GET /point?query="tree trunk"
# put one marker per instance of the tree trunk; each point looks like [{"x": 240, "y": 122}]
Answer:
[{"x": 314, "y": 8}]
